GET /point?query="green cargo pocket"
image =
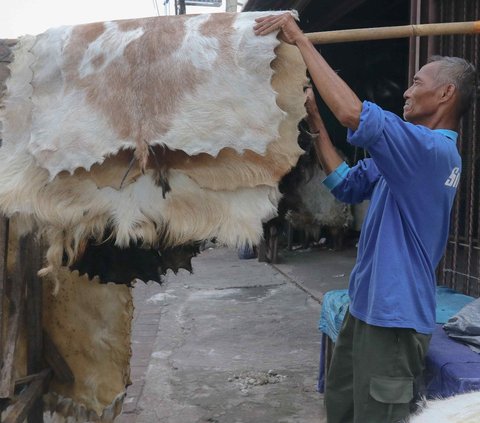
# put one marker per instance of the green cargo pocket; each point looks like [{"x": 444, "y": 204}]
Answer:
[{"x": 391, "y": 390}]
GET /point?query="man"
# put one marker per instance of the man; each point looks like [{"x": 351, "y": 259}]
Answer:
[{"x": 411, "y": 180}]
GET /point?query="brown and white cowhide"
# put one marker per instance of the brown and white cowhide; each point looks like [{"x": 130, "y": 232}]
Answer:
[
  {"x": 127, "y": 143},
  {"x": 155, "y": 132},
  {"x": 463, "y": 408}
]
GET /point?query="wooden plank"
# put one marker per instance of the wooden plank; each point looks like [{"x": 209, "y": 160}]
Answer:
[
  {"x": 3, "y": 274},
  {"x": 17, "y": 304},
  {"x": 26, "y": 400},
  {"x": 27, "y": 379},
  {"x": 6, "y": 57},
  {"x": 31, "y": 262}
]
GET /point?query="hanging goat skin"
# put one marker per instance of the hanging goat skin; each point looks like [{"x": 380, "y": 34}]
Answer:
[{"x": 139, "y": 139}]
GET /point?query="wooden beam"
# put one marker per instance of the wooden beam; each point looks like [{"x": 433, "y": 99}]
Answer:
[
  {"x": 3, "y": 277},
  {"x": 27, "y": 379},
  {"x": 17, "y": 304},
  {"x": 389, "y": 32},
  {"x": 31, "y": 262},
  {"x": 26, "y": 400}
]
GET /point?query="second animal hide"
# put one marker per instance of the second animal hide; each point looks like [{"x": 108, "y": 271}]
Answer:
[
  {"x": 90, "y": 324},
  {"x": 317, "y": 208}
]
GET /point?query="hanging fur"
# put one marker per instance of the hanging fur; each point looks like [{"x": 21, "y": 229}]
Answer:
[
  {"x": 165, "y": 131},
  {"x": 127, "y": 144}
]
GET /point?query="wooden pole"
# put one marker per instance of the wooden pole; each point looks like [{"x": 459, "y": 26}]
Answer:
[
  {"x": 17, "y": 281},
  {"x": 387, "y": 32},
  {"x": 32, "y": 261},
  {"x": 27, "y": 398},
  {"x": 3, "y": 281}
]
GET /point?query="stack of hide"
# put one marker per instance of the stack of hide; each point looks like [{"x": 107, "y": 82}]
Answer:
[
  {"x": 310, "y": 205},
  {"x": 124, "y": 145}
]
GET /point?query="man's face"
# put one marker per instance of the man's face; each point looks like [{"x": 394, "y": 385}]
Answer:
[{"x": 421, "y": 99}]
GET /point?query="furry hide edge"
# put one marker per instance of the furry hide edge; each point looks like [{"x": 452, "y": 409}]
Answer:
[
  {"x": 462, "y": 408},
  {"x": 66, "y": 410}
]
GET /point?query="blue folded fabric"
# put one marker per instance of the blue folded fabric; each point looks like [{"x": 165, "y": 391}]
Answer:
[{"x": 335, "y": 305}]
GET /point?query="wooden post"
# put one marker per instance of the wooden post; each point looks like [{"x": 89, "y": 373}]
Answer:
[
  {"x": 3, "y": 277},
  {"x": 31, "y": 262},
  {"x": 26, "y": 400},
  {"x": 17, "y": 281},
  {"x": 24, "y": 290}
]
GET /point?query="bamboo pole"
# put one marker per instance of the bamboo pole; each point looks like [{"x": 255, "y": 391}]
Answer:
[{"x": 382, "y": 33}]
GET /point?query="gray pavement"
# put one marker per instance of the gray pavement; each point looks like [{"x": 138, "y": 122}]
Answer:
[{"x": 236, "y": 342}]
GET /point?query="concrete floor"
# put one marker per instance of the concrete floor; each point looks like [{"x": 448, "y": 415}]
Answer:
[{"x": 236, "y": 342}]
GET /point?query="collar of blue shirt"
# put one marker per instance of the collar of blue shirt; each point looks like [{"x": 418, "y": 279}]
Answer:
[{"x": 448, "y": 133}]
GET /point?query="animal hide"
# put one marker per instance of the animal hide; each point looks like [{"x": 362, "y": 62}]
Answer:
[
  {"x": 90, "y": 324},
  {"x": 317, "y": 200},
  {"x": 464, "y": 408},
  {"x": 312, "y": 207},
  {"x": 154, "y": 132},
  {"x": 126, "y": 144}
]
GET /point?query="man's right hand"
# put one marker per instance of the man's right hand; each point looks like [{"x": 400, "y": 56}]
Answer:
[{"x": 313, "y": 118}]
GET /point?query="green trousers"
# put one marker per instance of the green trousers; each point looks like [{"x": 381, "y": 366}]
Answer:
[{"x": 374, "y": 372}]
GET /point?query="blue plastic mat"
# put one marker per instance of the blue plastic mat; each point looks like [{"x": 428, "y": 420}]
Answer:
[
  {"x": 451, "y": 367},
  {"x": 449, "y": 302}
]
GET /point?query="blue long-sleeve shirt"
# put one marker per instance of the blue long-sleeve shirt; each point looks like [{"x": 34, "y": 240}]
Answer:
[{"x": 410, "y": 180}]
